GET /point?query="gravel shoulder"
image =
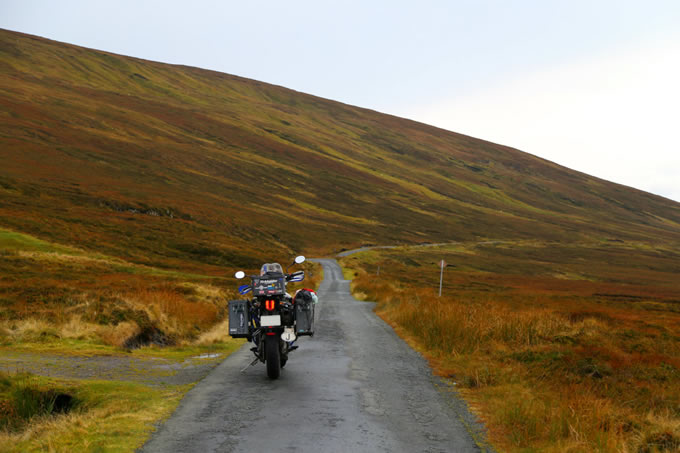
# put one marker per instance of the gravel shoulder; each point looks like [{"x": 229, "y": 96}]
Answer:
[{"x": 153, "y": 371}]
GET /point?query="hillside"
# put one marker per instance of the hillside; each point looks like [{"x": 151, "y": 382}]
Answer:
[{"x": 180, "y": 167}]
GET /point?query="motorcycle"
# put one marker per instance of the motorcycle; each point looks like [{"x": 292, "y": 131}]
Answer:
[{"x": 272, "y": 320}]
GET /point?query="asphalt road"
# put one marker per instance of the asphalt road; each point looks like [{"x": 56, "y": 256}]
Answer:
[{"x": 354, "y": 387}]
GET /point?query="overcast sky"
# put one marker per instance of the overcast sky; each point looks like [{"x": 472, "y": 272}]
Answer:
[{"x": 592, "y": 85}]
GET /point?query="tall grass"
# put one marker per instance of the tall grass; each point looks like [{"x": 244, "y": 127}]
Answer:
[
  {"x": 458, "y": 327},
  {"x": 148, "y": 315},
  {"x": 127, "y": 314}
]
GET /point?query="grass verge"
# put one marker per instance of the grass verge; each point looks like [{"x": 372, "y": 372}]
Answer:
[
  {"x": 104, "y": 416},
  {"x": 39, "y": 413}
]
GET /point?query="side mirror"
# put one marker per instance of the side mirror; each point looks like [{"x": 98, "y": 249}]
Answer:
[
  {"x": 239, "y": 275},
  {"x": 298, "y": 260}
]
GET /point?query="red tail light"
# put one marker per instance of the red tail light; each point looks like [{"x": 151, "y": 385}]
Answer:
[{"x": 270, "y": 304}]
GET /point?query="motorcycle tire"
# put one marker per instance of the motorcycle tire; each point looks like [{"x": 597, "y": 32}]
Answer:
[{"x": 272, "y": 357}]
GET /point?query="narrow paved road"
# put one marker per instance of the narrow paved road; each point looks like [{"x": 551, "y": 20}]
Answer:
[{"x": 354, "y": 387}]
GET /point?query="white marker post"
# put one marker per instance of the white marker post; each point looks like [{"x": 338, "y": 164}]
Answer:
[{"x": 442, "y": 263}]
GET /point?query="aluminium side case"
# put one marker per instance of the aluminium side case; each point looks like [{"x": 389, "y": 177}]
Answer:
[
  {"x": 304, "y": 315},
  {"x": 239, "y": 319}
]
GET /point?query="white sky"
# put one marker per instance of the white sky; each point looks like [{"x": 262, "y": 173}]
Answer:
[{"x": 593, "y": 85}]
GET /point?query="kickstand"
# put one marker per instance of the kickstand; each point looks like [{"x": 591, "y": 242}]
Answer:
[{"x": 253, "y": 363}]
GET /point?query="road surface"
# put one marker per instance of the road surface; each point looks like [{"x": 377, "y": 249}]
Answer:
[{"x": 354, "y": 387}]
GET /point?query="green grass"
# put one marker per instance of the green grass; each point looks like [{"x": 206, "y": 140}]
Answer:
[
  {"x": 186, "y": 352},
  {"x": 13, "y": 241},
  {"x": 24, "y": 398},
  {"x": 106, "y": 416},
  {"x": 101, "y": 415}
]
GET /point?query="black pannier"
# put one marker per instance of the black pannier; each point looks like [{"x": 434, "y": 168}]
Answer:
[
  {"x": 304, "y": 313},
  {"x": 239, "y": 319}
]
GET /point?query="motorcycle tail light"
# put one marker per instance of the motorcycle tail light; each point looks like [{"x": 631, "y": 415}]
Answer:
[{"x": 269, "y": 305}]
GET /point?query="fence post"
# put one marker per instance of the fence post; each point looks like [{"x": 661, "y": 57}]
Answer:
[{"x": 442, "y": 263}]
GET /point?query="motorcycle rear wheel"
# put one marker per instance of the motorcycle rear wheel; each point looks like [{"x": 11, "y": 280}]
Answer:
[{"x": 272, "y": 357}]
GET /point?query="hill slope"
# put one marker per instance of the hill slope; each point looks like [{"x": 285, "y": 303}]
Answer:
[{"x": 176, "y": 166}]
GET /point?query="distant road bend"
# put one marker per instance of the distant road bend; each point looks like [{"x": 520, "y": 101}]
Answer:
[
  {"x": 354, "y": 387},
  {"x": 373, "y": 247}
]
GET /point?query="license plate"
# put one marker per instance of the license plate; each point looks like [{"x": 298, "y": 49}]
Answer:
[{"x": 270, "y": 321}]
